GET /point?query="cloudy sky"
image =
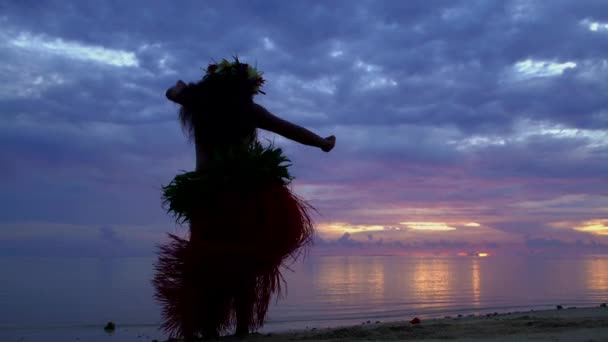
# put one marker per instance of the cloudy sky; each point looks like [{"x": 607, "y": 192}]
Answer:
[{"x": 462, "y": 125}]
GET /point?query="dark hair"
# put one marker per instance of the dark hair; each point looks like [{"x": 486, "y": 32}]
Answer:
[{"x": 217, "y": 111}]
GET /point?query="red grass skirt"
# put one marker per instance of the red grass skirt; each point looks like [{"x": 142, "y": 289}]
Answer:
[{"x": 231, "y": 266}]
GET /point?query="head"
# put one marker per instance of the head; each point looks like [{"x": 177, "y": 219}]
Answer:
[{"x": 218, "y": 107}]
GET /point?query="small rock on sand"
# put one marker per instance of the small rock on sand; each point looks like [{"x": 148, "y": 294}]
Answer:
[{"x": 110, "y": 327}]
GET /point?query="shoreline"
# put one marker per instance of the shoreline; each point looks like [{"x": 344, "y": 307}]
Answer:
[{"x": 567, "y": 324}]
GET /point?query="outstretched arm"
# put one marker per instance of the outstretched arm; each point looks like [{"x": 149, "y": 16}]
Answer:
[{"x": 267, "y": 121}]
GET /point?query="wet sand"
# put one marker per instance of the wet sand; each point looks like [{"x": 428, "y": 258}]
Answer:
[{"x": 568, "y": 324}]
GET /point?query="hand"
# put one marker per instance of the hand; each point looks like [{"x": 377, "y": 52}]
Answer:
[
  {"x": 330, "y": 142},
  {"x": 174, "y": 92}
]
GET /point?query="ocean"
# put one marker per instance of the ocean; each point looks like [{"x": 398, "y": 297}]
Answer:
[{"x": 69, "y": 299}]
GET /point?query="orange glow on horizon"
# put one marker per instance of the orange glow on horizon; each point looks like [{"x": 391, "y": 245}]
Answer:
[
  {"x": 483, "y": 254},
  {"x": 340, "y": 228},
  {"x": 597, "y": 227},
  {"x": 428, "y": 226},
  {"x": 337, "y": 229}
]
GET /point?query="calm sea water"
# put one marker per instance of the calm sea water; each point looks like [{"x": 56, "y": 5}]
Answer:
[{"x": 66, "y": 299}]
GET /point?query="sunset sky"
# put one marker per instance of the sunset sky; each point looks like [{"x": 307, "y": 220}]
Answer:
[{"x": 462, "y": 126}]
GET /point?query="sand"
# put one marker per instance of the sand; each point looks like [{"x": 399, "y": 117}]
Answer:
[
  {"x": 572, "y": 324},
  {"x": 582, "y": 324}
]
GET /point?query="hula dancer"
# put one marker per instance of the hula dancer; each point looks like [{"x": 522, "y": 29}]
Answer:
[{"x": 245, "y": 223}]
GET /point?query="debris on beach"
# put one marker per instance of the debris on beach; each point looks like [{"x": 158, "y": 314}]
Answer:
[
  {"x": 110, "y": 327},
  {"x": 603, "y": 305},
  {"x": 559, "y": 307},
  {"x": 416, "y": 320}
]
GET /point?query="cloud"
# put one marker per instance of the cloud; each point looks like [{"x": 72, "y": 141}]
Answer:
[
  {"x": 349, "y": 244},
  {"x": 491, "y": 112},
  {"x": 565, "y": 246},
  {"x": 40, "y": 239},
  {"x": 73, "y": 50}
]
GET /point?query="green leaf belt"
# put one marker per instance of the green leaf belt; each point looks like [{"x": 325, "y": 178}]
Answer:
[{"x": 241, "y": 169}]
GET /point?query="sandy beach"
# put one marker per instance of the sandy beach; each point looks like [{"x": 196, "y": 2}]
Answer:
[{"x": 568, "y": 324}]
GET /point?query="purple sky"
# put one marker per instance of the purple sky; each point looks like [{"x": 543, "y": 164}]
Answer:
[{"x": 462, "y": 125}]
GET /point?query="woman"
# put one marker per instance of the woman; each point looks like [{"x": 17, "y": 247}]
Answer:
[{"x": 245, "y": 223}]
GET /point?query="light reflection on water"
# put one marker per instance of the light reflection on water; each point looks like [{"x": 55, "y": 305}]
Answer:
[
  {"x": 323, "y": 291},
  {"x": 596, "y": 270},
  {"x": 476, "y": 283},
  {"x": 345, "y": 290}
]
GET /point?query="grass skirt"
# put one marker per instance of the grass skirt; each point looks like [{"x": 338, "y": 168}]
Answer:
[{"x": 240, "y": 237}]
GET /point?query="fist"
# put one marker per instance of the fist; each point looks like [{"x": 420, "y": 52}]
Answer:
[
  {"x": 330, "y": 142},
  {"x": 173, "y": 92}
]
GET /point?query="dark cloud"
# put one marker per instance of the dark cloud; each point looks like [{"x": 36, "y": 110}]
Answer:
[
  {"x": 350, "y": 244},
  {"x": 589, "y": 246},
  {"x": 70, "y": 247},
  {"x": 108, "y": 233}
]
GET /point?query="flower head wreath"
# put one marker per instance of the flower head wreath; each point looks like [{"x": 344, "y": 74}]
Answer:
[{"x": 238, "y": 70}]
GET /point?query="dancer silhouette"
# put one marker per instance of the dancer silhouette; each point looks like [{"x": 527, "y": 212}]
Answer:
[{"x": 245, "y": 222}]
